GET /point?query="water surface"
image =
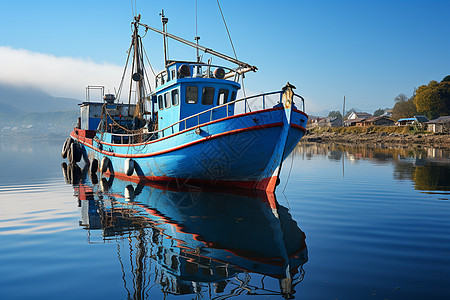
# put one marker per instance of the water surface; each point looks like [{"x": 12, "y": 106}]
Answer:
[{"x": 351, "y": 223}]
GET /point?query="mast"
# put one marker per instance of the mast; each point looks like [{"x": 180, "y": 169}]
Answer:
[{"x": 138, "y": 69}]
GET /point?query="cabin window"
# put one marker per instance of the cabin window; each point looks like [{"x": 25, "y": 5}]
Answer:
[
  {"x": 175, "y": 98},
  {"x": 191, "y": 94},
  {"x": 208, "y": 95},
  {"x": 160, "y": 102},
  {"x": 174, "y": 74},
  {"x": 222, "y": 97},
  {"x": 167, "y": 99},
  {"x": 233, "y": 96}
]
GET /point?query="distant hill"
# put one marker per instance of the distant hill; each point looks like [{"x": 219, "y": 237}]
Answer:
[
  {"x": 27, "y": 111},
  {"x": 9, "y": 109},
  {"x": 47, "y": 124},
  {"x": 21, "y": 100}
]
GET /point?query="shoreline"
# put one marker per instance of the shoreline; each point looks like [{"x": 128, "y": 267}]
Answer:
[{"x": 405, "y": 140}]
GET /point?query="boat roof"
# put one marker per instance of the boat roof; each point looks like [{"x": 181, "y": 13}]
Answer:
[{"x": 178, "y": 72}]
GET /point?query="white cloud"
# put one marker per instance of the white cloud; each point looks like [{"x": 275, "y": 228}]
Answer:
[{"x": 58, "y": 76}]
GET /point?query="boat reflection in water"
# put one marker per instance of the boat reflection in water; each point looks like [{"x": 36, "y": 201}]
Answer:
[{"x": 191, "y": 241}]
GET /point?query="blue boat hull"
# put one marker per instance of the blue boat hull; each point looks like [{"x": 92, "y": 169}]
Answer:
[{"x": 244, "y": 150}]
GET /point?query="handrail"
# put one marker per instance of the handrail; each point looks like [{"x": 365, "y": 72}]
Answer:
[
  {"x": 303, "y": 101},
  {"x": 210, "y": 111}
]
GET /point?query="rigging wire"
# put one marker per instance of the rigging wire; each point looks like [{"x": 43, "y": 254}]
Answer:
[
  {"x": 145, "y": 70},
  {"x": 226, "y": 27},
  {"x": 196, "y": 33},
  {"x": 124, "y": 73},
  {"x": 232, "y": 46},
  {"x": 150, "y": 65},
  {"x": 132, "y": 10},
  {"x": 287, "y": 180}
]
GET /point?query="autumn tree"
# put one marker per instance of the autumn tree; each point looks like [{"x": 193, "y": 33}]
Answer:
[
  {"x": 433, "y": 100},
  {"x": 404, "y": 107}
]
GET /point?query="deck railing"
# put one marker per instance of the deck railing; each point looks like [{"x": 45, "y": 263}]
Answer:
[
  {"x": 251, "y": 103},
  {"x": 201, "y": 70}
]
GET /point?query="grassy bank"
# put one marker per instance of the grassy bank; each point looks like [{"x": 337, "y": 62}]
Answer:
[
  {"x": 398, "y": 136},
  {"x": 370, "y": 129}
]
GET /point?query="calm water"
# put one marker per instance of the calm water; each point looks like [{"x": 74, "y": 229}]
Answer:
[{"x": 353, "y": 223}]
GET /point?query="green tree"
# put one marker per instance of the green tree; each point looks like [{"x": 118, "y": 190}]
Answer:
[
  {"x": 335, "y": 114},
  {"x": 433, "y": 100},
  {"x": 446, "y": 78},
  {"x": 378, "y": 112}
]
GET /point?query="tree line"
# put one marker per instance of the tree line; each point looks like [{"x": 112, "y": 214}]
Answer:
[{"x": 432, "y": 101}]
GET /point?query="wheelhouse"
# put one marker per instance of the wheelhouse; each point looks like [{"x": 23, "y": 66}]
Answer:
[{"x": 185, "y": 89}]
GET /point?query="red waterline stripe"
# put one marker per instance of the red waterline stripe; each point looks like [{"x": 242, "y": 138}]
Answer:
[
  {"x": 259, "y": 127},
  {"x": 193, "y": 128},
  {"x": 300, "y": 112},
  {"x": 298, "y": 127},
  {"x": 140, "y": 179}
]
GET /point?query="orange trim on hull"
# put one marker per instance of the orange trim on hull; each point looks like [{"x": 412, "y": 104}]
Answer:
[{"x": 298, "y": 127}]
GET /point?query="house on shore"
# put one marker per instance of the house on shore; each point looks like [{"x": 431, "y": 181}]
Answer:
[
  {"x": 324, "y": 122},
  {"x": 358, "y": 115},
  {"x": 387, "y": 112},
  {"x": 439, "y": 125},
  {"x": 416, "y": 120},
  {"x": 377, "y": 121},
  {"x": 356, "y": 118}
]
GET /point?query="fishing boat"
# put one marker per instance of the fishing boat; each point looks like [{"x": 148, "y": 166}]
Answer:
[{"x": 191, "y": 128}]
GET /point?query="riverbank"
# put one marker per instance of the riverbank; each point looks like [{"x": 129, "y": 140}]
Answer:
[{"x": 389, "y": 136}]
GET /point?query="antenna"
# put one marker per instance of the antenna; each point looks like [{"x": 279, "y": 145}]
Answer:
[
  {"x": 164, "y": 21},
  {"x": 196, "y": 38}
]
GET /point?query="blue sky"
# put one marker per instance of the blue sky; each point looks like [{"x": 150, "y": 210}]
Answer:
[{"x": 369, "y": 51}]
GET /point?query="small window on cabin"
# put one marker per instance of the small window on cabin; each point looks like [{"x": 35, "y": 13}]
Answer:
[
  {"x": 191, "y": 94},
  {"x": 222, "y": 97},
  {"x": 174, "y": 74},
  {"x": 208, "y": 95},
  {"x": 167, "y": 99},
  {"x": 233, "y": 96},
  {"x": 175, "y": 98},
  {"x": 160, "y": 102}
]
